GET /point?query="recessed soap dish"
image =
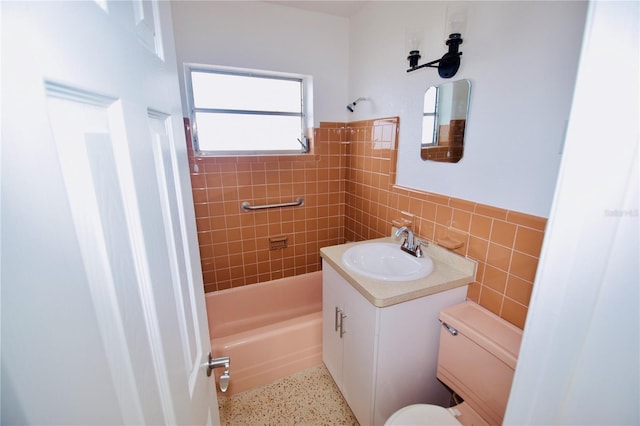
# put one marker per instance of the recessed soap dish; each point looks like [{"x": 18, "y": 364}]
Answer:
[
  {"x": 449, "y": 243},
  {"x": 279, "y": 242}
]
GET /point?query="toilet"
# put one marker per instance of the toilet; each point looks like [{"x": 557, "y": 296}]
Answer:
[{"x": 477, "y": 357}]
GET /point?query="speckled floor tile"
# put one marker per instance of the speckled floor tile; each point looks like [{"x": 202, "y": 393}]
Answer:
[{"x": 309, "y": 397}]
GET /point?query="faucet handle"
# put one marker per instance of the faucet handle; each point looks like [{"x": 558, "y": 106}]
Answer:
[
  {"x": 405, "y": 243},
  {"x": 419, "y": 243}
]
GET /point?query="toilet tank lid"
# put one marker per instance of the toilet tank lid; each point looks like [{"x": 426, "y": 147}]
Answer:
[{"x": 485, "y": 328}]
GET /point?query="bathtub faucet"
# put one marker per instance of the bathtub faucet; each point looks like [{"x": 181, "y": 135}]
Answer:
[
  {"x": 411, "y": 244},
  {"x": 222, "y": 361}
]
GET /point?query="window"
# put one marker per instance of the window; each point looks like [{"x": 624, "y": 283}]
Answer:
[
  {"x": 429, "y": 124},
  {"x": 240, "y": 112}
]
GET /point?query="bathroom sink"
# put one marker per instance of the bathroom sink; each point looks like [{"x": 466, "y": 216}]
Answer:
[{"x": 385, "y": 261}]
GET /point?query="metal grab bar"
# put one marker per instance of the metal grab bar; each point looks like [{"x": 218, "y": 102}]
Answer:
[{"x": 248, "y": 207}]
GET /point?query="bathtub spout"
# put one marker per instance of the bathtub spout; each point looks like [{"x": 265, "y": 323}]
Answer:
[{"x": 222, "y": 361}]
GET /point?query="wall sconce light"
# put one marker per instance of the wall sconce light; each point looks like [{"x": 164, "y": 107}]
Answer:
[{"x": 447, "y": 65}]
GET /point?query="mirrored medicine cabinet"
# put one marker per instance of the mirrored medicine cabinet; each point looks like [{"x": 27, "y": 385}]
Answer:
[{"x": 444, "y": 119}]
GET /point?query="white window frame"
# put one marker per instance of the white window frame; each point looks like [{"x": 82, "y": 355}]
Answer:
[{"x": 306, "y": 115}]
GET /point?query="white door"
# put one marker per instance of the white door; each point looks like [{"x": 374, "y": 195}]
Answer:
[
  {"x": 579, "y": 362},
  {"x": 103, "y": 315}
]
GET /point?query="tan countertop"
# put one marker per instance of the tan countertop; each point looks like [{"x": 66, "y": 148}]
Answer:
[{"x": 450, "y": 271}]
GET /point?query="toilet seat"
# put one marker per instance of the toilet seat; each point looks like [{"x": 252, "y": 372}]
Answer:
[{"x": 422, "y": 414}]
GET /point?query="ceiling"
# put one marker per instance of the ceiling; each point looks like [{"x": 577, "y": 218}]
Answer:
[{"x": 342, "y": 8}]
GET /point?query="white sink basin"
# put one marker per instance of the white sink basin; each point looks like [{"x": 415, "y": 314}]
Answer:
[{"x": 385, "y": 261}]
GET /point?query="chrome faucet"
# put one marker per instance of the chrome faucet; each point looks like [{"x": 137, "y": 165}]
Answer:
[{"x": 411, "y": 244}]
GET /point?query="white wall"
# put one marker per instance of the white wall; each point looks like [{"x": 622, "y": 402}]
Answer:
[
  {"x": 269, "y": 37},
  {"x": 521, "y": 58}
]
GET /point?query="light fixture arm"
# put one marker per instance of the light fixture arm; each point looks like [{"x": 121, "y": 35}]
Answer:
[
  {"x": 432, "y": 64},
  {"x": 448, "y": 65}
]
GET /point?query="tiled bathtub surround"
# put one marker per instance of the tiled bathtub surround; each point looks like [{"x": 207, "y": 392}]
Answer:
[
  {"x": 234, "y": 245},
  {"x": 348, "y": 183}
]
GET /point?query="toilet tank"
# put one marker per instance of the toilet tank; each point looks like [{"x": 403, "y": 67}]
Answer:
[{"x": 477, "y": 357}]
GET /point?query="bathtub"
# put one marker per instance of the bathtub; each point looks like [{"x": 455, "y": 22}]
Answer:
[{"x": 269, "y": 330}]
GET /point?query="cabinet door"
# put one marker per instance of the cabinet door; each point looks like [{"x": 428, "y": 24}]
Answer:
[
  {"x": 359, "y": 353},
  {"x": 332, "y": 289}
]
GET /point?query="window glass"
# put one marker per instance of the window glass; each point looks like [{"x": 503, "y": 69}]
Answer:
[
  {"x": 429, "y": 133},
  {"x": 222, "y": 132},
  {"x": 430, "y": 100},
  {"x": 239, "y": 92}
]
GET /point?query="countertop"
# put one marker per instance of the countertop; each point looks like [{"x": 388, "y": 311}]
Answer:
[{"x": 450, "y": 271}]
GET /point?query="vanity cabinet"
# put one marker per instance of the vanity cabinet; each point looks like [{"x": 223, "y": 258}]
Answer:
[{"x": 382, "y": 359}]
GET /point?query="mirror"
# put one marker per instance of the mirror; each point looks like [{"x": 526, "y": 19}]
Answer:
[{"x": 446, "y": 108}]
